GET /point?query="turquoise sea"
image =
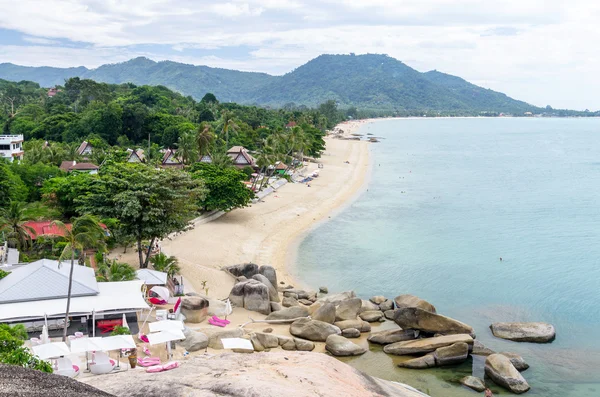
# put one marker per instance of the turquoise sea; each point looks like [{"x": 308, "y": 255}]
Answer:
[{"x": 446, "y": 199}]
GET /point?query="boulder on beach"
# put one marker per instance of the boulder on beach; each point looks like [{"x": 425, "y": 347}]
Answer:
[
  {"x": 392, "y": 336},
  {"x": 524, "y": 332},
  {"x": 305, "y": 302},
  {"x": 251, "y": 295},
  {"x": 479, "y": 349},
  {"x": 499, "y": 369},
  {"x": 194, "y": 308},
  {"x": 424, "y": 362},
  {"x": 276, "y": 306},
  {"x": 386, "y": 305},
  {"x": 337, "y": 298},
  {"x": 360, "y": 325},
  {"x": 448, "y": 355},
  {"x": 194, "y": 340},
  {"x": 348, "y": 309},
  {"x": 325, "y": 313},
  {"x": 366, "y": 305},
  {"x": 313, "y": 330},
  {"x": 351, "y": 333},
  {"x": 474, "y": 383},
  {"x": 426, "y": 345},
  {"x": 270, "y": 273},
  {"x": 243, "y": 270},
  {"x": 215, "y": 336},
  {"x": 288, "y": 301},
  {"x": 288, "y": 313},
  {"x": 371, "y": 316},
  {"x": 323, "y": 290},
  {"x": 426, "y": 321},
  {"x": 340, "y": 346},
  {"x": 516, "y": 360},
  {"x": 403, "y": 301},
  {"x": 379, "y": 299},
  {"x": 390, "y": 314},
  {"x": 273, "y": 294}
]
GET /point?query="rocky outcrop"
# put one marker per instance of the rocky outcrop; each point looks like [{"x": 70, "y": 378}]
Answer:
[
  {"x": 503, "y": 373},
  {"x": 404, "y": 301},
  {"x": 194, "y": 308},
  {"x": 243, "y": 270},
  {"x": 313, "y": 330},
  {"x": 340, "y": 346},
  {"x": 479, "y": 349},
  {"x": 371, "y": 316},
  {"x": 276, "y": 306},
  {"x": 193, "y": 341},
  {"x": 251, "y": 295},
  {"x": 390, "y": 314},
  {"x": 264, "y": 341},
  {"x": 524, "y": 332},
  {"x": 360, "y": 325},
  {"x": 289, "y": 313},
  {"x": 215, "y": 336},
  {"x": 448, "y": 355},
  {"x": 325, "y": 313},
  {"x": 270, "y": 273},
  {"x": 289, "y": 301},
  {"x": 273, "y": 294},
  {"x": 337, "y": 298},
  {"x": 367, "y": 306},
  {"x": 517, "y": 361},
  {"x": 351, "y": 333},
  {"x": 422, "y": 346},
  {"x": 392, "y": 336},
  {"x": 379, "y": 299},
  {"x": 388, "y": 304},
  {"x": 423, "y": 320},
  {"x": 348, "y": 309},
  {"x": 274, "y": 374},
  {"x": 474, "y": 383}
]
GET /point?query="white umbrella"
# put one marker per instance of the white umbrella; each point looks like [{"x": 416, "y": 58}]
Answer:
[
  {"x": 81, "y": 345},
  {"x": 50, "y": 350},
  {"x": 162, "y": 292},
  {"x": 166, "y": 325},
  {"x": 125, "y": 322},
  {"x": 118, "y": 342},
  {"x": 166, "y": 337},
  {"x": 44, "y": 338}
]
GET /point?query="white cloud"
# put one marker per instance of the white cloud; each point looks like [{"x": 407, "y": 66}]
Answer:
[{"x": 541, "y": 51}]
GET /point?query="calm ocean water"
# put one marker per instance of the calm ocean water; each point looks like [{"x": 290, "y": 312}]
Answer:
[{"x": 447, "y": 198}]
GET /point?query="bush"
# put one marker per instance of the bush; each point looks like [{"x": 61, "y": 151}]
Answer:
[
  {"x": 120, "y": 331},
  {"x": 3, "y": 274},
  {"x": 12, "y": 351}
]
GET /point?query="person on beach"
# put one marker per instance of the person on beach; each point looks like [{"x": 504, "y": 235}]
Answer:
[{"x": 488, "y": 393}]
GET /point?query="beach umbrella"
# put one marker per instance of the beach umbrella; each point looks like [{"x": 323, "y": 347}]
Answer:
[
  {"x": 118, "y": 342},
  {"x": 84, "y": 345},
  {"x": 125, "y": 321},
  {"x": 44, "y": 338},
  {"x": 51, "y": 350},
  {"x": 166, "y": 337},
  {"x": 166, "y": 325},
  {"x": 162, "y": 292}
]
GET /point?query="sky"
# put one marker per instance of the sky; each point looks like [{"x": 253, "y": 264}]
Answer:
[{"x": 541, "y": 51}]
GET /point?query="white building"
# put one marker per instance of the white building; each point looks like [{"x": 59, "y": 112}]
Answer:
[{"x": 11, "y": 147}]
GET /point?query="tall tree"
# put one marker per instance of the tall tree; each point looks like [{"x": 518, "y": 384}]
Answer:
[
  {"x": 85, "y": 233},
  {"x": 12, "y": 224},
  {"x": 228, "y": 126},
  {"x": 186, "y": 148},
  {"x": 226, "y": 189},
  {"x": 149, "y": 203},
  {"x": 204, "y": 139}
]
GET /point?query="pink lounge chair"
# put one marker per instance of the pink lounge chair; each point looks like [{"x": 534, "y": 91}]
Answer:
[
  {"x": 160, "y": 368},
  {"x": 221, "y": 320},
  {"x": 148, "y": 361},
  {"x": 217, "y": 323}
]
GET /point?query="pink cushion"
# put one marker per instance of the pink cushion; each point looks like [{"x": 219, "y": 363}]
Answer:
[
  {"x": 171, "y": 365},
  {"x": 214, "y": 322},
  {"x": 155, "y": 368},
  {"x": 76, "y": 368}
]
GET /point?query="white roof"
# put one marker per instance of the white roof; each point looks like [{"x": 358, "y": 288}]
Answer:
[
  {"x": 44, "y": 279},
  {"x": 117, "y": 296},
  {"x": 152, "y": 277},
  {"x": 165, "y": 336},
  {"x": 50, "y": 350}
]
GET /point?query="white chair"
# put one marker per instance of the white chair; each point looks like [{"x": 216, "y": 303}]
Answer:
[
  {"x": 65, "y": 367},
  {"x": 101, "y": 364}
]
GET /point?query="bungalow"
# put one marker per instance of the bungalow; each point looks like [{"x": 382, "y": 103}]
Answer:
[
  {"x": 291, "y": 124},
  {"x": 241, "y": 158},
  {"x": 36, "y": 229},
  {"x": 85, "y": 149},
  {"x": 170, "y": 160},
  {"x": 281, "y": 168},
  {"x": 207, "y": 158},
  {"x": 74, "y": 166},
  {"x": 53, "y": 91},
  {"x": 36, "y": 294},
  {"x": 136, "y": 156}
]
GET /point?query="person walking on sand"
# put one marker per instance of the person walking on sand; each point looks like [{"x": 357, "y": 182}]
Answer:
[{"x": 488, "y": 393}]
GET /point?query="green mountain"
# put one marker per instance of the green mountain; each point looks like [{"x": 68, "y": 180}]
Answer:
[{"x": 365, "y": 81}]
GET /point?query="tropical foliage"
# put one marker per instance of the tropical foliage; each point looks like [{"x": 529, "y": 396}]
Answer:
[
  {"x": 225, "y": 186},
  {"x": 163, "y": 263},
  {"x": 115, "y": 271},
  {"x": 13, "y": 352}
]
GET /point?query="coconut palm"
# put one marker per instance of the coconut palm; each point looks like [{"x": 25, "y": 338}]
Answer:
[
  {"x": 186, "y": 148},
  {"x": 228, "y": 126},
  {"x": 167, "y": 264},
  {"x": 84, "y": 233},
  {"x": 12, "y": 224},
  {"x": 222, "y": 160},
  {"x": 204, "y": 139},
  {"x": 115, "y": 271}
]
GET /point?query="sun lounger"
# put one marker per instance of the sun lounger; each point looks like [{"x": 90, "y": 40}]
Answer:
[
  {"x": 148, "y": 361},
  {"x": 214, "y": 320},
  {"x": 160, "y": 368}
]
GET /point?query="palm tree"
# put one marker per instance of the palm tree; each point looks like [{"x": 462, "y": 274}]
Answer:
[
  {"x": 12, "y": 223},
  {"x": 228, "y": 125},
  {"x": 84, "y": 233},
  {"x": 167, "y": 264},
  {"x": 204, "y": 139},
  {"x": 115, "y": 271},
  {"x": 186, "y": 148},
  {"x": 222, "y": 160}
]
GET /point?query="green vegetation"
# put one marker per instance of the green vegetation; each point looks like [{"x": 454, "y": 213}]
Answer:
[
  {"x": 13, "y": 352},
  {"x": 119, "y": 330},
  {"x": 365, "y": 85},
  {"x": 225, "y": 188},
  {"x": 115, "y": 271},
  {"x": 168, "y": 264}
]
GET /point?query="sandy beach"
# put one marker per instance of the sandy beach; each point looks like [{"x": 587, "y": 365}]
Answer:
[{"x": 265, "y": 232}]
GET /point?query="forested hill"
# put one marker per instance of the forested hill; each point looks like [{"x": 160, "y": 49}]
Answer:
[{"x": 364, "y": 81}]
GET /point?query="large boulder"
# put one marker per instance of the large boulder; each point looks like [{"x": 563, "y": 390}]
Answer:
[
  {"x": 193, "y": 341},
  {"x": 422, "y": 346},
  {"x": 289, "y": 313},
  {"x": 403, "y": 301},
  {"x": 262, "y": 341},
  {"x": 340, "y": 346},
  {"x": 387, "y": 305},
  {"x": 358, "y": 324},
  {"x": 371, "y": 316},
  {"x": 392, "y": 336},
  {"x": 325, "y": 313},
  {"x": 351, "y": 333},
  {"x": 390, "y": 314},
  {"x": 516, "y": 360},
  {"x": 214, "y": 337},
  {"x": 379, "y": 299},
  {"x": 448, "y": 355},
  {"x": 216, "y": 307},
  {"x": 426, "y": 321},
  {"x": 366, "y": 306},
  {"x": 270, "y": 273},
  {"x": 524, "y": 332},
  {"x": 499, "y": 368},
  {"x": 348, "y": 309},
  {"x": 194, "y": 308},
  {"x": 313, "y": 330},
  {"x": 276, "y": 307},
  {"x": 273, "y": 294},
  {"x": 243, "y": 270},
  {"x": 337, "y": 298},
  {"x": 251, "y": 295},
  {"x": 474, "y": 383},
  {"x": 289, "y": 301},
  {"x": 479, "y": 349}
]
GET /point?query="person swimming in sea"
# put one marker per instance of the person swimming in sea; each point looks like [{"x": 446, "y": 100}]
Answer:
[{"x": 500, "y": 259}]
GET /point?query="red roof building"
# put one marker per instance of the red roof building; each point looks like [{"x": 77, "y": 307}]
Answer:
[
  {"x": 46, "y": 228},
  {"x": 291, "y": 124}
]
